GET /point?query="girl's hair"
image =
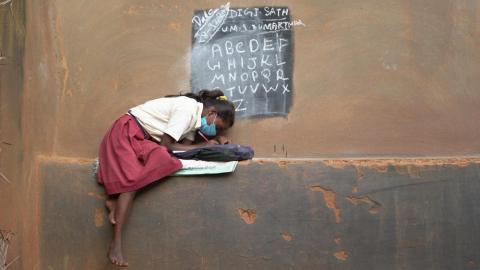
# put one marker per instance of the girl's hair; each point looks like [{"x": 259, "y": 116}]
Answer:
[{"x": 216, "y": 98}]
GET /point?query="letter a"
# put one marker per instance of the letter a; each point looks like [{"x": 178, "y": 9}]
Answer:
[{"x": 216, "y": 48}]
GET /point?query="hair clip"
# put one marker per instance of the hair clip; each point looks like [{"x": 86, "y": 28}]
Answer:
[{"x": 224, "y": 98}]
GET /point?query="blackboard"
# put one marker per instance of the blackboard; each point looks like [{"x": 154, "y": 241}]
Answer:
[{"x": 246, "y": 52}]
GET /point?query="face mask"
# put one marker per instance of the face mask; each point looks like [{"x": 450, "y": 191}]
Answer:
[{"x": 209, "y": 130}]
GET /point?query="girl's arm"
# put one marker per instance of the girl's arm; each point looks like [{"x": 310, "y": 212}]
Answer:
[
  {"x": 186, "y": 142},
  {"x": 172, "y": 145}
]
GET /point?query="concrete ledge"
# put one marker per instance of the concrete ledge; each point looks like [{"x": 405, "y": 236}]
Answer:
[{"x": 272, "y": 215}]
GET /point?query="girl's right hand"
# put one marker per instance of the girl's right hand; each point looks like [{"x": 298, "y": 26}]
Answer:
[
  {"x": 212, "y": 142},
  {"x": 222, "y": 140}
]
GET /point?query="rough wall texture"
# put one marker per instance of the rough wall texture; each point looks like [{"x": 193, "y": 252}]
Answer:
[
  {"x": 385, "y": 215},
  {"x": 372, "y": 78}
]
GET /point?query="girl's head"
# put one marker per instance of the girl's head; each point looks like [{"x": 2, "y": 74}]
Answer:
[{"x": 216, "y": 109}]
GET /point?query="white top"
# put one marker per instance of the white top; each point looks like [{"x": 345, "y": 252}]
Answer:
[{"x": 178, "y": 117}]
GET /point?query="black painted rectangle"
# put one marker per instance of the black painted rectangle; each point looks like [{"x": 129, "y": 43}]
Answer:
[{"x": 248, "y": 53}]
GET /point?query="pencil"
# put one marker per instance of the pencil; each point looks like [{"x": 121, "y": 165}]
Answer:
[{"x": 203, "y": 136}]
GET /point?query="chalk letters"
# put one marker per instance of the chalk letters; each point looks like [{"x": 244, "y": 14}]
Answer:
[{"x": 250, "y": 58}]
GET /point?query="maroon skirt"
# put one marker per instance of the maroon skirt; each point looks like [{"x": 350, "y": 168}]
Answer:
[{"x": 128, "y": 161}]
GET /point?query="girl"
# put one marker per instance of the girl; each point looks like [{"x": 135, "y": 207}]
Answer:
[{"x": 134, "y": 152}]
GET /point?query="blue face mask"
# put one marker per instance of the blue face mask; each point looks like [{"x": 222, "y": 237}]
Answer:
[{"x": 209, "y": 130}]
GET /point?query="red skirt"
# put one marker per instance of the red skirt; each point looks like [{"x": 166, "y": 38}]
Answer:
[{"x": 128, "y": 161}]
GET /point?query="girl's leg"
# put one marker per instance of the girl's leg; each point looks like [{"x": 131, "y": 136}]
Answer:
[
  {"x": 123, "y": 204},
  {"x": 111, "y": 203}
]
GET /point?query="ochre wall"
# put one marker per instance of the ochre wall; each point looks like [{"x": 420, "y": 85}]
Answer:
[{"x": 371, "y": 78}]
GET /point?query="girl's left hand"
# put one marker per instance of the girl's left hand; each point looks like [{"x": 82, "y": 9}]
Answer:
[{"x": 222, "y": 140}]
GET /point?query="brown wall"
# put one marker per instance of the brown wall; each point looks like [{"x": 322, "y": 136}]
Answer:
[{"x": 372, "y": 78}]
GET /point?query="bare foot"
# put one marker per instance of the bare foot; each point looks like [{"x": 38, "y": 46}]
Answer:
[
  {"x": 110, "y": 204},
  {"x": 116, "y": 257}
]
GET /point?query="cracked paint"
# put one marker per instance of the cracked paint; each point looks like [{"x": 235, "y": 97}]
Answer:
[
  {"x": 330, "y": 200},
  {"x": 374, "y": 205},
  {"x": 99, "y": 220},
  {"x": 287, "y": 236},
  {"x": 341, "y": 255},
  {"x": 248, "y": 215}
]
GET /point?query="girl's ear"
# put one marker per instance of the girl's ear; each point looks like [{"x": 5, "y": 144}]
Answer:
[{"x": 211, "y": 110}]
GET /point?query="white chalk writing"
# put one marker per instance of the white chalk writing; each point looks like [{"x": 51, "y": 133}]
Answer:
[
  {"x": 249, "y": 57},
  {"x": 249, "y": 65},
  {"x": 212, "y": 24}
]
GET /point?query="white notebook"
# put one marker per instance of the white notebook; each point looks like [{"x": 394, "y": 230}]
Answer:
[{"x": 198, "y": 167}]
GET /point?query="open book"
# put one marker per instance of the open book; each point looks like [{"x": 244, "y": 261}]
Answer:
[{"x": 198, "y": 167}]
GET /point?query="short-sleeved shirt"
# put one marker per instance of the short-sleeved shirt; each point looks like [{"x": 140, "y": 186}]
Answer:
[{"x": 178, "y": 117}]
